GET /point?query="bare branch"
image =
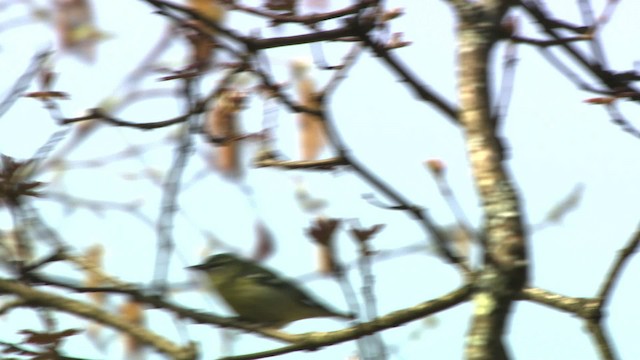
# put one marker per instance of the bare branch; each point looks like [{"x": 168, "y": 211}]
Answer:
[
  {"x": 616, "y": 269},
  {"x": 601, "y": 340},
  {"x": 391, "y": 320},
  {"x": 37, "y": 298},
  {"x": 410, "y": 78}
]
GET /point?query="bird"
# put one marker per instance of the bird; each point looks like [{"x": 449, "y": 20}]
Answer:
[{"x": 260, "y": 295}]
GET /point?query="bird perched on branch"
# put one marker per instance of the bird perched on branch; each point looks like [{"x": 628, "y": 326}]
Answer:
[{"x": 259, "y": 295}]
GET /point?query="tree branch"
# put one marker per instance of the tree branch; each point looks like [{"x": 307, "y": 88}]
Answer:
[
  {"x": 391, "y": 320},
  {"x": 616, "y": 269},
  {"x": 36, "y": 298}
]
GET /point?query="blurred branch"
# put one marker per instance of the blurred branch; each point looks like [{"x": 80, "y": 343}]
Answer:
[
  {"x": 588, "y": 17},
  {"x": 326, "y": 35},
  {"x": 100, "y": 115},
  {"x": 590, "y": 310},
  {"x": 561, "y": 209},
  {"x": 153, "y": 301},
  {"x": 501, "y": 106},
  {"x": 311, "y": 19},
  {"x": 341, "y": 71},
  {"x": 552, "y": 42},
  {"x": 323, "y": 164},
  {"x": 585, "y": 308},
  {"x": 548, "y": 26},
  {"x": 610, "y": 79},
  {"x": 438, "y": 172},
  {"x": 171, "y": 189},
  {"x": 37, "y": 298},
  {"x": 407, "y": 76},
  {"x": 98, "y": 206},
  {"x": 616, "y": 269},
  {"x": 601, "y": 340},
  {"x": 402, "y": 203},
  {"x": 362, "y": 237},
  {"x": 23, "y": 82},
  {"x": 320, "y": 339}
]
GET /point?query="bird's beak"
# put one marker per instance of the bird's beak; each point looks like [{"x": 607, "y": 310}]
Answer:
[{"x": 199, "y": 267}]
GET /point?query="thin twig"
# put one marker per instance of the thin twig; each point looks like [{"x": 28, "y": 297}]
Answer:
[
  {"x": 323, "y": 164},
  {"x": 589, "y": 19},
  {"x": 616, "y": 268},
  {"x": 391, "y": 320},
  {"x": 37, "y": 298},
  {"x": 171, "y": 187},
  {"x": 419, "y": 88},
  {"x": 23, "y": 82},
  {"x": 583, "y": 307}
]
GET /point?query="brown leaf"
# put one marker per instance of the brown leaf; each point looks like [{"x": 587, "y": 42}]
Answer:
[
  {"x": 600, "y": 100},
  {"x": 47, "y": 338},
  {"x": 222, "y": 123},
  {"x": 322, "y": 230},
  {"x": 14, "y": 180},
  {"x": 132, "y": 312},
  {"x": 265, "y": 246},
  {"x": 436, "y": 166},
  {"x": 46, "y": 78},
  {"x": 46, "y": 95},
  {"x": 202, "y": 47},
  {"x": 75, "y": 27},
  {"x": 310, "y": 127},
  {"x": 211, "y": 10},
  {"x": 365, "y": 234},
  {"x": 94, "y": 255}
]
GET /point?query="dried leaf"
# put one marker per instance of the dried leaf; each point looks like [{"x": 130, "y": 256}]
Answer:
[
  {"x": 47, "y": 338},
  {"x": 436, "y": 166},
  {"x": 15, "y": 180},
  {"x": 133, "y": 313},
  {"x": 310, "y": 127},
  {"x": 509, "y": 26},
  {"x": 93, "y": 256},
  {"x": 322, "y": 231},
  {"x": 202, "y": 47},
  {"x": 75, "y": 27},
  {"x": 46, "y": 77},
  {"x": 265, "y": 246},
  {"x": 46, "y": 95},
  {"x": 222, "y": 123},
  {"x": 365, "y": 234},
  {"x": 600, "y": 100},
  {"x": 211, "y": 10}
]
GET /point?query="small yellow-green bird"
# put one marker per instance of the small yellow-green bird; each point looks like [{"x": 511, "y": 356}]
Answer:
[{"x": 259, "y": 295}]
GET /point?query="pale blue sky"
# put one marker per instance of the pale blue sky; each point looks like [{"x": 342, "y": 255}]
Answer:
[{"x": 556, "y": 141}]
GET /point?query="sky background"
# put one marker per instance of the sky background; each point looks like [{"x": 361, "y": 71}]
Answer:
[{"x": 555, "y": 142}]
